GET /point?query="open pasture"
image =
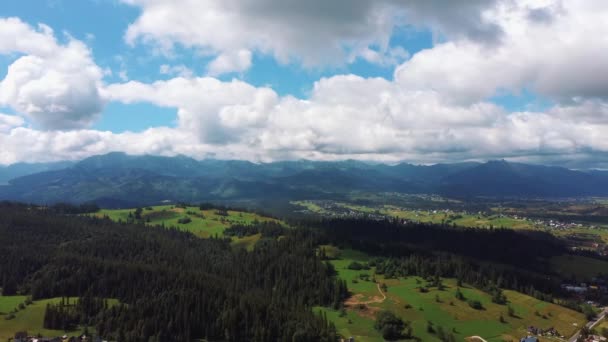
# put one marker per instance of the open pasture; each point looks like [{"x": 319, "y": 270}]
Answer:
[
  {"x": 30, "y": 318},
  {"x": 202, "y": 223},
  {"x": 441, "y": 308}
]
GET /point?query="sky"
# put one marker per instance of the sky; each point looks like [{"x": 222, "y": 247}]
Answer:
[{"x": 419, "y": 81}]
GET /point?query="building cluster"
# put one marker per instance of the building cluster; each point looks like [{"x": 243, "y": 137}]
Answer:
[
  {"x": 535, "y": 331},
  {"x": 529, "y": 339},
  {"x": 25, "y": 337},
  {"x": 597, "y": 284}
]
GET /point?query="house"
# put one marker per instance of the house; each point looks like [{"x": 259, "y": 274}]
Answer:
[
  {"x": 529, "y": 339},
  {"x": 20, "y": 336},
  {"x": 47, "y": 339}
]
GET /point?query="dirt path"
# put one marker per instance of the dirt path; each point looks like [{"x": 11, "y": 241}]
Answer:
[
  {"x": 477, "y": 338},
  {"x": 354, "y": 301}
]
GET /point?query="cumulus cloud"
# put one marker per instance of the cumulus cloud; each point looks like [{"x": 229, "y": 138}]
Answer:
[
  {"x": 365, "y": 118},
  {"x": 315, "y": 32},
  {"x": 7, "y": 122},
  {"x": 54, "y": 85},
  {"x": 559, "y": 58},
  {"x": 218, "y": 112},
  {"x": 237, "y": 61},
  {"x": 391, "y": 57}
]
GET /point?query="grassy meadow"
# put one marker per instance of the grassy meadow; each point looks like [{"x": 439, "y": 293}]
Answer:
[
  {"x": 427, "y": 216},
  {"x": 203, "y": 223},
  {"x": 29, "y": 319},
  {"x": 601, "y": 326},
  {"x": 440, "y": 307}
]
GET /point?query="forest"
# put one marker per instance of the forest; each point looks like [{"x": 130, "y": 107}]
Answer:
[
  {"x": 171, "y": 285},
  {"x": 174, "y": 286}
]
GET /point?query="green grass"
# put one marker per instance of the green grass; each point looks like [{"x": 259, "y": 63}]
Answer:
[
  {"x": 459, "y": 218},
  {"x": 29, "y": 319},
  {"x": 331, "y": 252},
  {"x": 429, "y": 216},
  {"x": 9, "y": 303},
  {"x": 310, "y": 206},
  {"x": 601, "y": 326},
  {"x": 450, "y": 313},
  {"x": 204, "y": 223},
  {"x": 579, "y": 266}
]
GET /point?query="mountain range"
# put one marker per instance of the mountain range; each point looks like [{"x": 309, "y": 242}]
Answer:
[{"x": 117, "y": 179}]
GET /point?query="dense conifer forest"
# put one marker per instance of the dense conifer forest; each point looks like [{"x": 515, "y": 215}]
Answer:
[{"x": 172, "y": 285}]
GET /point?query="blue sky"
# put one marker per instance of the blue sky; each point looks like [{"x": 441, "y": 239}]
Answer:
[
  {"x": 102, "y": 24},
  {"x": 419, "y": 81}
]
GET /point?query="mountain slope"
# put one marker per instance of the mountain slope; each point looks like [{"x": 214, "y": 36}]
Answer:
[
  {"x": 23, "y": 169},
  {"x": 116, "y": 179},
  {"x": 501, "y": 178}
]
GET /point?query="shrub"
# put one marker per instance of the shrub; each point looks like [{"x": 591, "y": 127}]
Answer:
[
  {"x": 357, "y": 266},
  {"x": 390, "y": 326},
  {"x": 475, "y": 304},
  {"x": 184, "y": 220},
  {"x": 459, "y": 294}
]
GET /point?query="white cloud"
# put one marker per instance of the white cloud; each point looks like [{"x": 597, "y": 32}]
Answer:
[
  {"x": 216, "y": 111},
  {"x": 237, "y": 61},
  {"x": 559, "y": 57},
  {"x": 314, "y": 32},
  {"x": 7, "y": 122},
  {"x": 391, "y": 57},
  {"x": 54, "y": 85},
  {"x": 176, "y": 70},
  {"x": 353, "y": 117}
]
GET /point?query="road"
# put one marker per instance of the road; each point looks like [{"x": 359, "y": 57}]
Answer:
[
  {"x": 355, "y": 302},
  {"x": 590, "y": 325}
]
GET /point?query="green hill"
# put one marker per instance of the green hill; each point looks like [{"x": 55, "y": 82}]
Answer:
[
  {"x": 440, "y": 307},
  {"x": 202, "y": 223}
]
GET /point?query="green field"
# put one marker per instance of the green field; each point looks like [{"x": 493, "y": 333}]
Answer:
[
  {"x": 204, "y": 223},
  {"x": 29, "y": 319},
  {"x": 453, "y": 315},
  {"x": 460, "y": 219},
  {"x": 600, "y": 327},
  {"x": 427, "y": 216}
]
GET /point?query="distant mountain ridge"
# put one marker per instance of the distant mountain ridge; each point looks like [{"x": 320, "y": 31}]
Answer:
[
  {"x": 23, "y": 169},
  {"x": 136, "y": 180}
]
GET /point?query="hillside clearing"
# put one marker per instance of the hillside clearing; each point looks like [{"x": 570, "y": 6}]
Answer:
[
  {"x": 202, "y": 223},
  {"x": 440, "y": 307},
  {"x": 29, "y": 319}
]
